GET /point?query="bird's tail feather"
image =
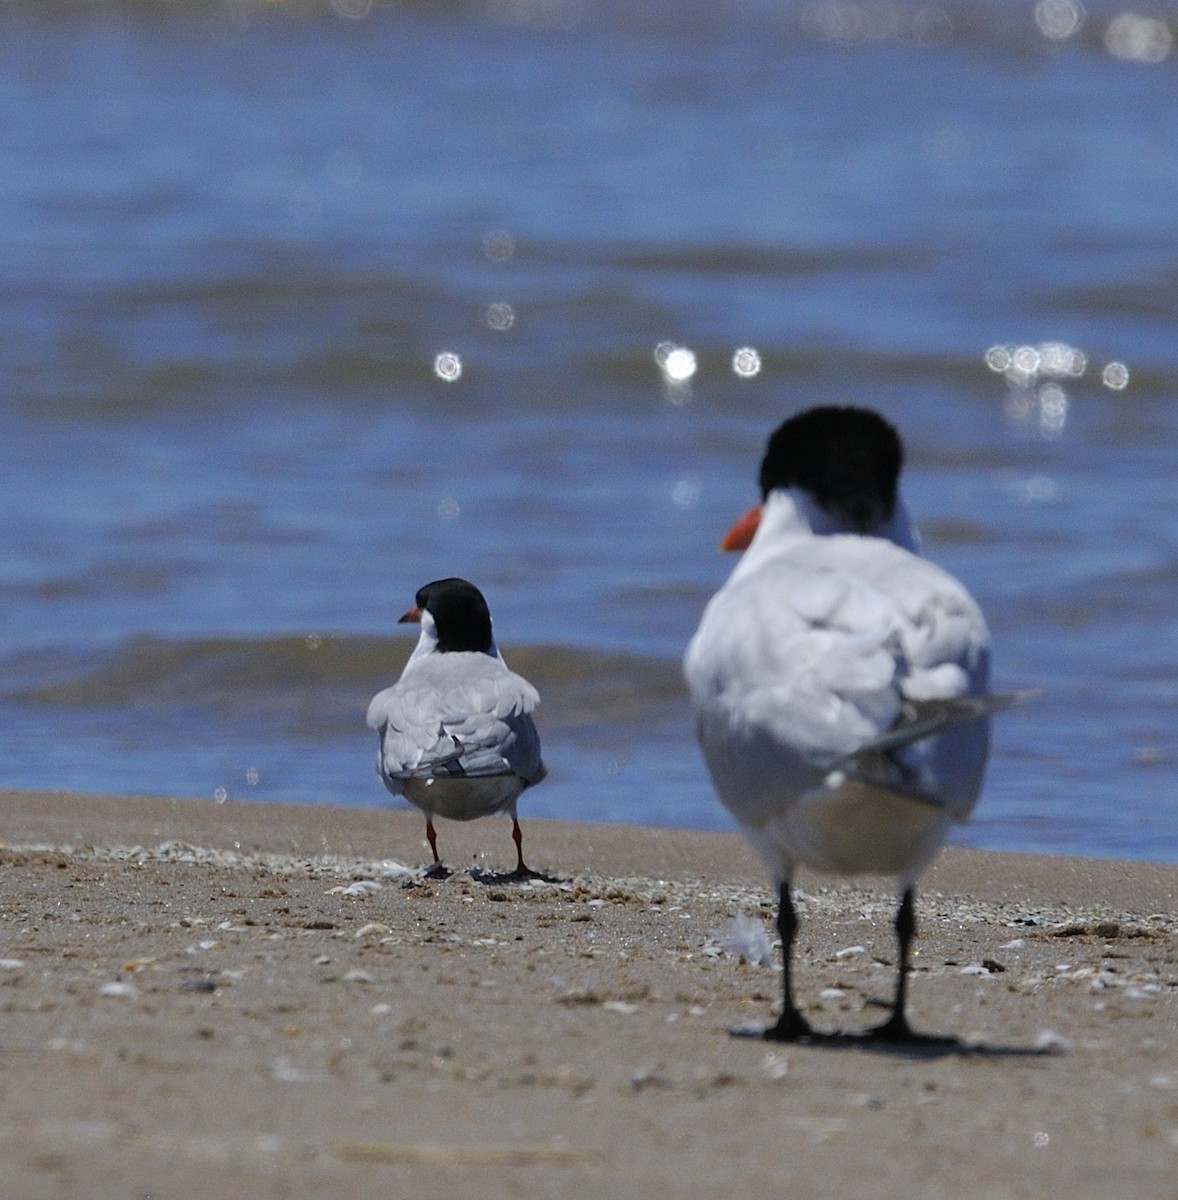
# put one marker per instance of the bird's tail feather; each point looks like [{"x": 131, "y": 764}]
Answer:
[{"x": 926, "y": 718}]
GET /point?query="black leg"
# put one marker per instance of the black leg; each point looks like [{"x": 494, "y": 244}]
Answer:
[
  {"x": 791, "y": 1025},
  {"x": 521, "y": 868},
  {"x": 896, "y": 1027}
]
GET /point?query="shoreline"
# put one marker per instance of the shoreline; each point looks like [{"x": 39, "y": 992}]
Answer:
[
  {"x": 397, "y": 833},
  {"x": 260, "y": 1000}
]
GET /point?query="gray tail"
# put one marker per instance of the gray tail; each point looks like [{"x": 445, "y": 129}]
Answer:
[{"x": 925, "y": 718}]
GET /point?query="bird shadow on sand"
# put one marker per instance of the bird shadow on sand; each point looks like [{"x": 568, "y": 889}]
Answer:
[
  {"x": 919, "y": 1047},
  {"x": 506, "y": 878}
]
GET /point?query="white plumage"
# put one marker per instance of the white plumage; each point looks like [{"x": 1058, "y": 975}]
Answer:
[
  {"x": 840, "y": 681},
  {"x": 456, "y": 735}
]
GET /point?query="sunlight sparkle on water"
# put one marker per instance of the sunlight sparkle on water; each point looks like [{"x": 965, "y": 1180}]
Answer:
[
  {"x": 1034, "y": 376},
  {"x": 1053, "y": 410},
  {"x": 1025, "y": 364},
  {"x": 746, "y": 362},
  {"x": 448, "y": 366},
  {"x": 1058, "y": 359},
  {"x": 1035, "y": 489},
  {"x": 1138, "y": 39},
  {"x": 499, "y": 316},
  {"x": 686, "y": 492},
  {"x": 677, "y": 363},
  {"x": 1059, "y": 19}
]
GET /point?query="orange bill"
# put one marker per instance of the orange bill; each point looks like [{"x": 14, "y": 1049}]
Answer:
[{"x": 741, "y": 533}]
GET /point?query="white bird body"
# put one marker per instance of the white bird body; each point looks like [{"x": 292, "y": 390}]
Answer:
[
  {"x": 456, "y": 736},
  {"x": 840, "y": 681},
  {"x": 817, "y": 647}
]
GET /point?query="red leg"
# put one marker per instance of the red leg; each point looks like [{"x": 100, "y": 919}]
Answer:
[{"x": 432, "y": 837}]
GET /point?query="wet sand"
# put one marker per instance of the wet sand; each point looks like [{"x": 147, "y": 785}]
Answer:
[{"x": 251, "y": 1000}]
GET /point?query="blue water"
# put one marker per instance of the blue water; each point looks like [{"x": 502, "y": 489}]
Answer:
[{"x": 238, "y": 236}]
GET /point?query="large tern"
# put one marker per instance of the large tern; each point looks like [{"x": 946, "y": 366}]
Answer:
[{"x": 840, "y": 681}]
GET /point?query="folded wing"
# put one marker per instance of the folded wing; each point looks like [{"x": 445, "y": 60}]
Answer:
[
  {"x": 457, "y": 715},
  {"x": 847, "y": 654}
]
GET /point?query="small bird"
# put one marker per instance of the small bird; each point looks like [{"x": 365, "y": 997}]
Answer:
[
  {"x": 840, "y": 681},
  {"x": 456, "y": 732}
]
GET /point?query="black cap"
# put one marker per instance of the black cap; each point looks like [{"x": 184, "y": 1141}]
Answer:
[
  {"x": 848, "y": 459},
  {"x": 460, "y": 613}
]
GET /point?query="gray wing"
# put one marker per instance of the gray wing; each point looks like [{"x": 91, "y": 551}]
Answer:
[
  {"x": 892, "y": 760},
  {"x": 926, "y": 718},
  {"x": 457, "y": 715}
]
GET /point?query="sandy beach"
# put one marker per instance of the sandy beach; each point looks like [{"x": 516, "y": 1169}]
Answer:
[{"x": 253, "y": 1001}]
